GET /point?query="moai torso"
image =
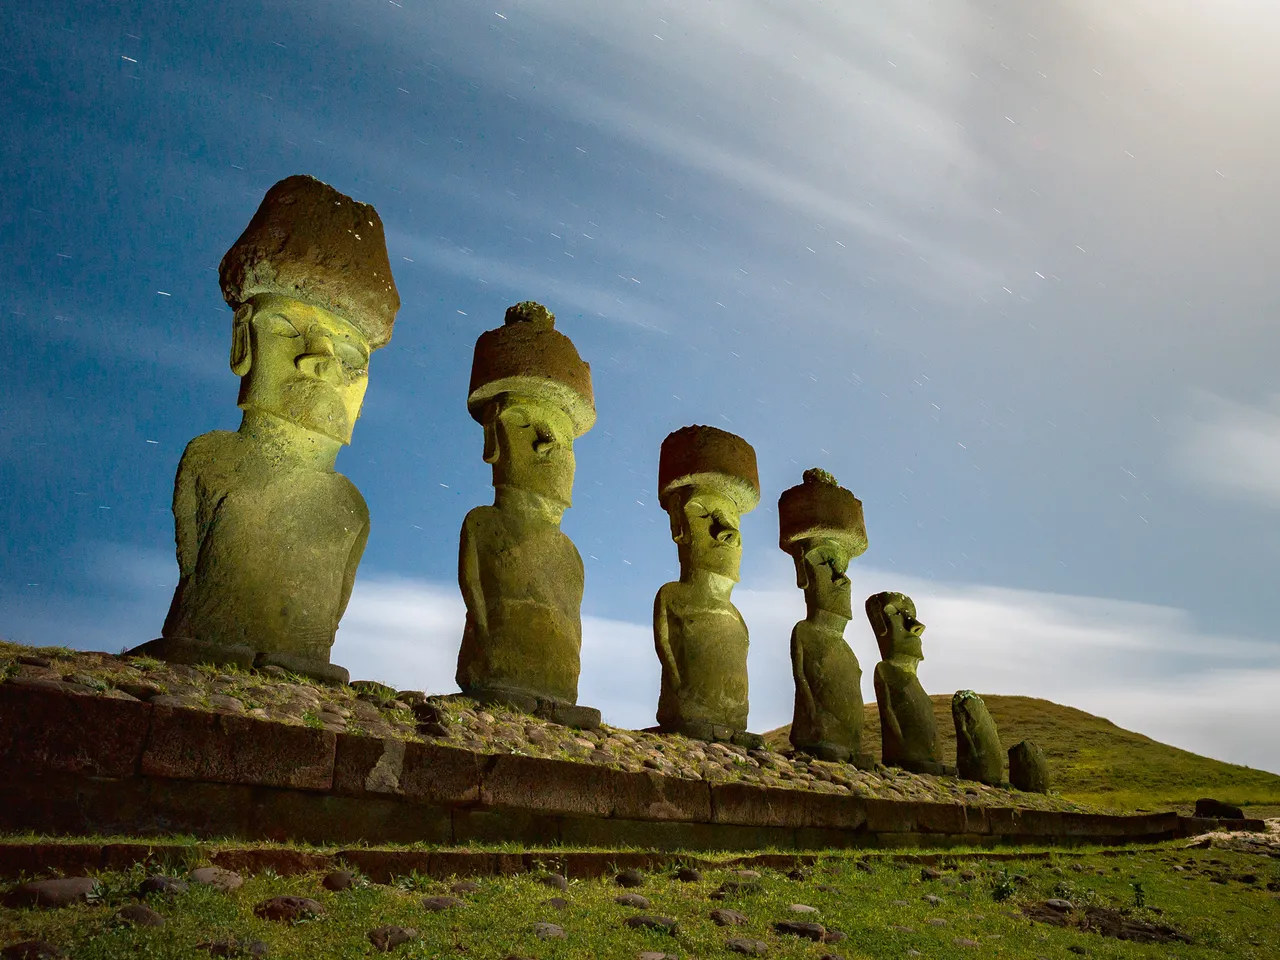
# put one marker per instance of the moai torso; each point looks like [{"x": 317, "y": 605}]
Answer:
[
  {"x": 828, "y": 704},
  {"x": 908, "y": 728},
  {"x": 978, "y": 753},
  {"x": 267, "y": 552},
  {"x": 704, "y": 668},
  {"x": 527, "y": 578}
]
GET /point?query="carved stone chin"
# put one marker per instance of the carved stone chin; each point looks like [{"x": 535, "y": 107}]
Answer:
[
  {"x": 521, "y": 577},
  {"x": 706, "y": 481},
  {"x": 269, "y": 536}
]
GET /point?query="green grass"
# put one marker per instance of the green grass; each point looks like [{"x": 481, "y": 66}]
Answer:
[
  {"x": 1229, "y": 919},
  {"x": 1094, "y": 761}
]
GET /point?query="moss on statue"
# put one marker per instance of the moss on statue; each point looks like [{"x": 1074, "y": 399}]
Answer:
[
  {"x": 979, "y": 755},
  {"x": 706, "y": 481},
  {"x": 908, "y": 730},
  {"x": 268, "y": 535},
  {"x": 521, "y": 577},
  {"x": 821, "y": 527}
]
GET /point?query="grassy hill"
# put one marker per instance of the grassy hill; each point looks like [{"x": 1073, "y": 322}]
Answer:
[{"x": 1094, "y": 761}]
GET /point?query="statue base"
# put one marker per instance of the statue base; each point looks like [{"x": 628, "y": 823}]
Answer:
[
  {"x": 931, "y": 767},
  {"x": 196, "y": 652},
  {"x": 835, "y": 753},
  {"x": 544, "y": 708},
  {"x": 712, "y": 733}
]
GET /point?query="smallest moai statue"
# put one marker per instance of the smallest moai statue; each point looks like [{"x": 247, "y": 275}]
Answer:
[
  {"x": 820, "y": 526},
  {"x": 1028, "y": 769},
  {"x": 979, "y": 756}
]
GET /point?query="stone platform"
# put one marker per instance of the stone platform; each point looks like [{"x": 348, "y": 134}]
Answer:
[{"x": 93, "y": 765}]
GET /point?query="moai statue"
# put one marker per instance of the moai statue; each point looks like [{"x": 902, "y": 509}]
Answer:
[
  {"x": 521, "y": 577},
  {"x": 979, "y": 755},
  {"x": 269, "y": 536},
  {"x": 1028, "y": 769},
  {"x": 908, "y": 729},
  {"x": 706, "y": 481},
  {"x": 820, "y": 525}
]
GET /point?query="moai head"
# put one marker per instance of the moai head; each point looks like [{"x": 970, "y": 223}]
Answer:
[
  {"x": 893, "y": 618},
  {"x": 820, "y": 525},
  {"x": 313, "y": 296},
  {"x": 707, "y": 480},
  {"x": 532, "y": 394}
]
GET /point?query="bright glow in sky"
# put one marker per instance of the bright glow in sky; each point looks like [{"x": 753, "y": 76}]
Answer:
[{"x": 1006, "y": 270}]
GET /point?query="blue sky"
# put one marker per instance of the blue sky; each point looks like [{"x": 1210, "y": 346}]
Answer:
[{"x": 1005, "y": 271}]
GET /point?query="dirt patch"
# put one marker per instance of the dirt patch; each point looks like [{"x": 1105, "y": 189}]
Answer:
[{"x": 1104, "y": 921}]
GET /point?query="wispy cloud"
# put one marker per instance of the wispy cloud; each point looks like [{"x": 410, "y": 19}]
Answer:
[{"x": 1233, "y": 448}]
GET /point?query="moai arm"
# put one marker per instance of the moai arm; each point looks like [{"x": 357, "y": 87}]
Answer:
[
  {"x": 797, "y": 670},
  {"x": 662, "y": 638},
  {"x": 885, "y": 703},
  {"x": 186, "y": 506},
  {"x": 469, "y": 579},
  {"x": 353, "y": 562}
]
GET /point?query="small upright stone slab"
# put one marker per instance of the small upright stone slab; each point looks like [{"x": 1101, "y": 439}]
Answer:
[{"x": 1028, "y": 768}]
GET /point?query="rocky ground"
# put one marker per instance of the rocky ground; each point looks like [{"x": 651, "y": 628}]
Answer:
[
  {"x": 1175, "y": 900},
  {"x": 375, "y": 710}
]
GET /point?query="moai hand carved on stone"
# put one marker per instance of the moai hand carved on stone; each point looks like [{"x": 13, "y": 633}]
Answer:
[
  {"x": 908, "y": 728},
  {"x": 521, "y": 577},
  {"x": 706, "y": 481},
  {"x": 821, "y": 526},
  {"x": 269, "y": 536},
  {"x": 979, "y": 755}
]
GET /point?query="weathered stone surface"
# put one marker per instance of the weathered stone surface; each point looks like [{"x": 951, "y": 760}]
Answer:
[
  {"x": 707, "y": 479},
  {"x": 140, "y": 915},
  {"x": 548, "y": 931},
  {"x": 194, "y": 745},
  {"x": 1028, "y": 768},
  {"x": 521, "y": 577},
  {"x": 422, "y": 772},
  {"x": 629, "y": 878},
  {"x": 234, "y": 947},
  {"x": 659, "y": 924},
  {"x": 218, "y": 878},
  {"x": 61, "y": 892},
  {"x": 389, "y": 937},
  {"x": 908, "y": 730},
  {"x": 1209, "y": 807},
  {"x": 632, "y": 900},
  {"x": 769, "y": 806},
  {"x": 724, "y": 917},
  {"x": 979, "y": 755},
  {"x": 689, "y": 875},
  {"x": 338, "y": 880},
  {"x": 801, "y": 928},
  {"x": 439, "y": 904},
  {"x": 50, "y": 730},
  {"x": 821, "y": 528},
  {"x": 752, "y": 948},
  {"x": 161, "y": 885},
  {"x": 269, "y": 536},
  {"x": 288, "y": 909}
]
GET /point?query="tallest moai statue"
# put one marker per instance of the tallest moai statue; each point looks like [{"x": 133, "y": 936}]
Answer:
[
  {"x": 521, "y": 577},
  {"x": 269, "y": 536}
]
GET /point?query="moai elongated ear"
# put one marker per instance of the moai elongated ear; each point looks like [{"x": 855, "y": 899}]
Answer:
[
  {"x": 489, "y": 420},
  {"x": 242, "y": 340}
]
